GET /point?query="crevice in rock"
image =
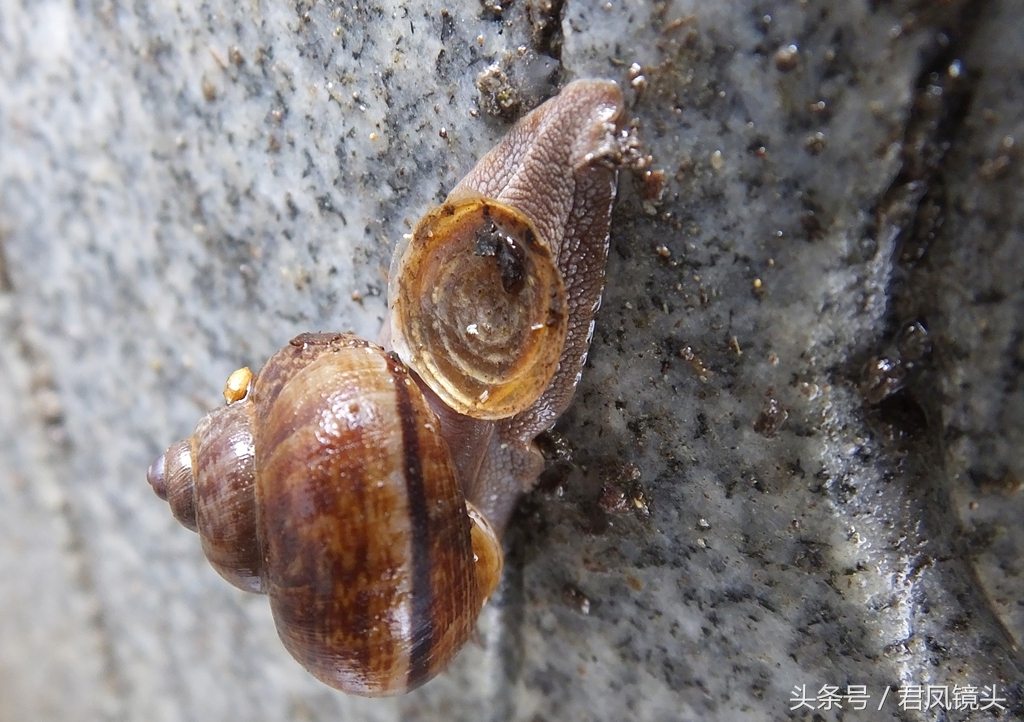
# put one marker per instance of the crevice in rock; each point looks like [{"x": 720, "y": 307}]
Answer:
[
  {"x": 546, "y": 26},
  {"x": 912, "y": 209},
  {"x": 5, "y": 276},
  {"x": 904, "y": 404},
  {"x": 56, "y": 451},
  {"x": 85, "y": 580}
]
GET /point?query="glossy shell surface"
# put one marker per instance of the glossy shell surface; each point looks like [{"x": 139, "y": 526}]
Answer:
[{"x": 329, "y": 487}]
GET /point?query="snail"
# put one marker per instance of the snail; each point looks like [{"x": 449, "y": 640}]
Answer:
[{"x": 365, "y": 488}]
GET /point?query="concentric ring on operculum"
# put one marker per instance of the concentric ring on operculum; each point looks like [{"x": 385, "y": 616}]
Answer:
[{"x": 478, "y": 308}]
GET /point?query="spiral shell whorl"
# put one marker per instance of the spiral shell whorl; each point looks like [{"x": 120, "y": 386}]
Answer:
[{"x": 208, "y": 481}]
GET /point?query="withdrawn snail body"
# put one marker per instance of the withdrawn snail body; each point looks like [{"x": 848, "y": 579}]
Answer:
[{"x": 366, "y": 491}]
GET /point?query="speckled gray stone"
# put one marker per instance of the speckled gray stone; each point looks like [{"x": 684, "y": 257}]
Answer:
[{"x": 183, "y": 189}]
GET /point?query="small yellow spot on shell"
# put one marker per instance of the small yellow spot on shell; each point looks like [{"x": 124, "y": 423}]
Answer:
[{"x": 237, "y": 385}]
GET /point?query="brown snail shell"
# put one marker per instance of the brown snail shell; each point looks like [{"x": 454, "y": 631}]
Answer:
[
  {"x": 367, "y": 497},
  {"x": 328, "y": 488}
]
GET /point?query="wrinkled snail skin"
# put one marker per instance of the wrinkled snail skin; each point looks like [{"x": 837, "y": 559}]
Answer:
[{"x": 365, "y": 489}]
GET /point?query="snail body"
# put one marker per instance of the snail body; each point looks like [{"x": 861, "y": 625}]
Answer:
[
  {"x": 556, "y": 170},
  {"x": 365, "y": 490}
]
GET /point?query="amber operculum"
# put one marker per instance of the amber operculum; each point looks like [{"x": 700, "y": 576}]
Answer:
[
  {"x": 225, "y": 502},
  {"x": 478, "y": 308},
  {"x": 370, "y": 584}
]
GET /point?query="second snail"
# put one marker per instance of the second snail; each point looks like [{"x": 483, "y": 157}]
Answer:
[{"x": 365, "y": 488}]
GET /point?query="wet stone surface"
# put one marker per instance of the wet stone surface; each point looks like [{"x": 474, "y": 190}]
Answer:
[{"x": 727, "y": 516}]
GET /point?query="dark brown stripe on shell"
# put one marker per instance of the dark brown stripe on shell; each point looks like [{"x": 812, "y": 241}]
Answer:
[{"x": 420, "y": 544}]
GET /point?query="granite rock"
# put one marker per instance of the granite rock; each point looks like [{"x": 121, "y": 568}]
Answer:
[{"x": 793, "y": 457}]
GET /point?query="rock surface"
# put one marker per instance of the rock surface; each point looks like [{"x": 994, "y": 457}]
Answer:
[{"x": 777, "y": 479}]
